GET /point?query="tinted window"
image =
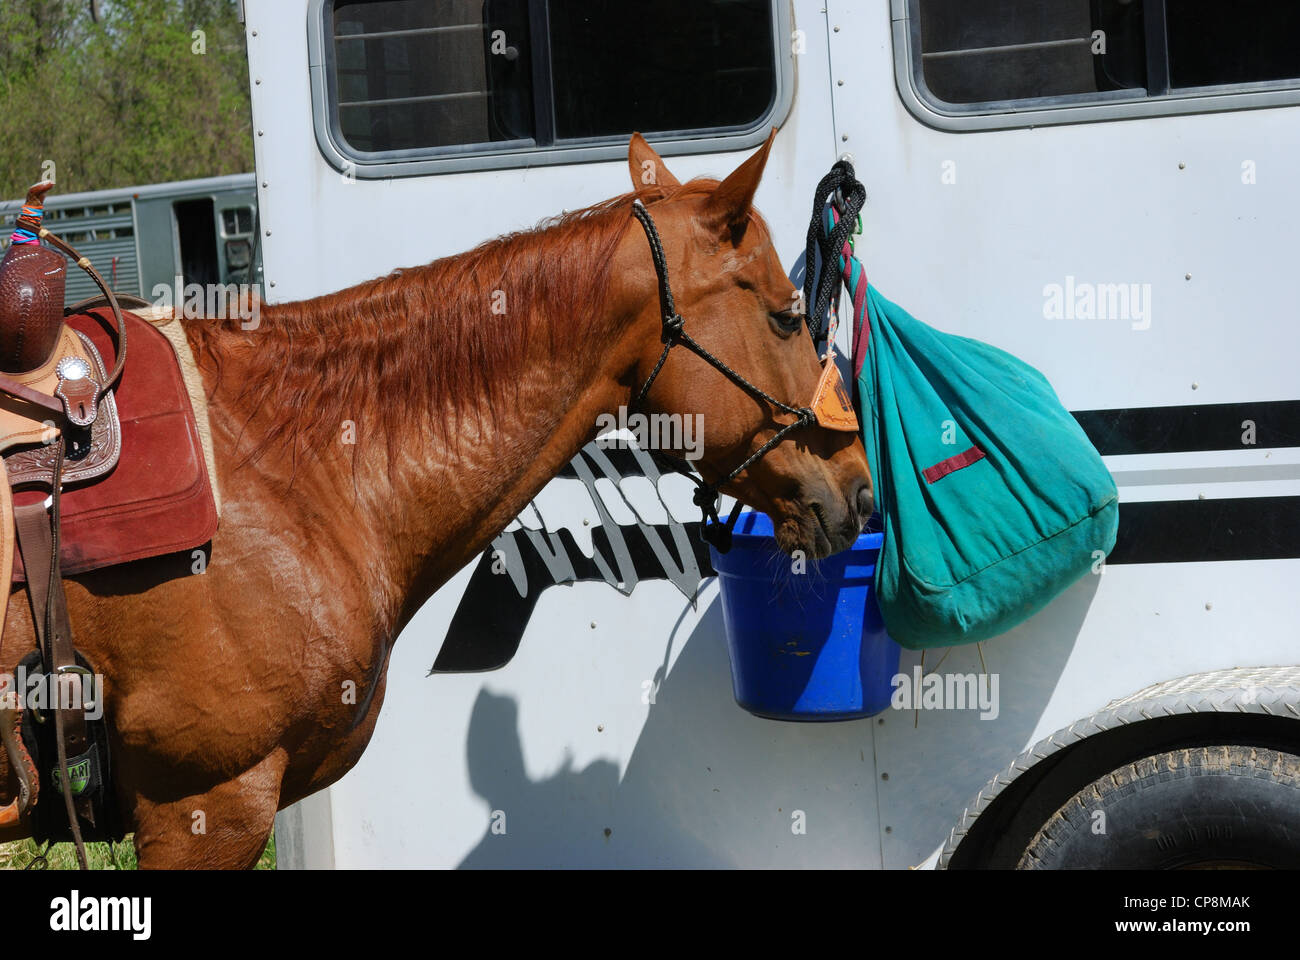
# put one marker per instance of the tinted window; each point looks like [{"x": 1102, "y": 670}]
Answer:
[
  {"x": 991, "y": 51},
  {"x": 1245, "y": 41},
  {"x": 413, "y": 74},
  {"x": 693, "y": 65},
  {"x": 418, "y": 75},
  {"x": 980, "y": 51},
  {"x": 237, "y": 221}
]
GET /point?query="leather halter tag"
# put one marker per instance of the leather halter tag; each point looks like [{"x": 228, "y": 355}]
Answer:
[{"x": 831, "y": 403}]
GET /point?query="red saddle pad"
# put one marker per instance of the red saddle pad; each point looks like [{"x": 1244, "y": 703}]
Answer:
[{"x": 158, "y": 499}]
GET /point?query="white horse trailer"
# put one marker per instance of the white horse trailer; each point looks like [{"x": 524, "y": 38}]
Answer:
[{"x": 1098, "y": 186}]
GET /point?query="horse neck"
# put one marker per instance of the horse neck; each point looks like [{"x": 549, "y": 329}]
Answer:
[
  {"x": 437, "y": 466},
  {"x": 458, "y": 496}
]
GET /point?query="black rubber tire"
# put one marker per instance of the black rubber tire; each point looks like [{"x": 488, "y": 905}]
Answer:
[{"x": 1200, "y": 807}]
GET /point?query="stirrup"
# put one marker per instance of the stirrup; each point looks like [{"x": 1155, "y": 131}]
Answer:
[{"x": 20, "y": 761}]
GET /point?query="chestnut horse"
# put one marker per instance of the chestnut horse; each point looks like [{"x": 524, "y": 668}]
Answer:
[{"x": 227, "y": 692}]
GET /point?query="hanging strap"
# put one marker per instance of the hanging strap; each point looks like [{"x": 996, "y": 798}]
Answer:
[{"x": 38, "y": 541}]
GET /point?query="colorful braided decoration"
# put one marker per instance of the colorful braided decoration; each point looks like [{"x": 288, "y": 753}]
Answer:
[
  {"x": 22, "y": 235},
  {"x": 29, "y": 221}
]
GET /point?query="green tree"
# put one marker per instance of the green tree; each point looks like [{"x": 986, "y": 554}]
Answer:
[{"x": 121, "y": 92}]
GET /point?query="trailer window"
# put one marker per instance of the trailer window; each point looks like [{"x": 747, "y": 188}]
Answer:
[
  {"x": 236, "y": 221},
  {"x": 975, "y": 51},
  {"x": 1246, "y": 41},
  {"x": 694, "y": 65},
  {"x": 410, "y": 78},
  {"x": 1024, "y": 58}
]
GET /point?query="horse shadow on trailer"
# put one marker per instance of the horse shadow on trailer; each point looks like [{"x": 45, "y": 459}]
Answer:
[{"x": 709, "y": 785}]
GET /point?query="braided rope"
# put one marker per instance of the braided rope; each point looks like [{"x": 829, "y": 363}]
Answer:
[{"x": 820, "y": 286}]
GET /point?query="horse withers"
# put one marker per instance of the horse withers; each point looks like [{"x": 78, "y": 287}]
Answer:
[{"x": 234, "y": 693}]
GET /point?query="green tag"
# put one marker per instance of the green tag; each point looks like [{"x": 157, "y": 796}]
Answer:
[{"x": 79, "y": 773}]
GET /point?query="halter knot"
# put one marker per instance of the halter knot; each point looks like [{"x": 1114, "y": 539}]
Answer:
[
  {"x": 672, "y": 328},
  {"x": 704, "y": 496}
]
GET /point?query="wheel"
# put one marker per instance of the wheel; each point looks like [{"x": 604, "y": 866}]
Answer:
[{"x": 1224, "y": 806}]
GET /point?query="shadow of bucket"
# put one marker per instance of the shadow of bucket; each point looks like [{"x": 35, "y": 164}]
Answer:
[{"x": 809, "y": 645}]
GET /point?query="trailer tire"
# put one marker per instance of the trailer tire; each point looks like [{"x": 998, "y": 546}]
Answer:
[{"x": 1223, "y": 805}]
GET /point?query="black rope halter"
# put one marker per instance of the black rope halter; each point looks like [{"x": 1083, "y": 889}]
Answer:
[{"x": 712, "y": 529}]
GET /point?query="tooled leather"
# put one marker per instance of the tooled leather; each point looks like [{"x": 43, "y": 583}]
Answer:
[
  {"x": 32, "y": 280},
  {"x": 158, "y": 499},
  {"x": 105, "y": 437}
]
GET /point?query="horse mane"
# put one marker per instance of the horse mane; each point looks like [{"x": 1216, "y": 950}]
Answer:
[{"x": 422, "y": 340}]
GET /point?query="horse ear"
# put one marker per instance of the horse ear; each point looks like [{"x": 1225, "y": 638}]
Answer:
[
  {"x": 728, "y": 206},
  {"x": 647, "y": 167}
]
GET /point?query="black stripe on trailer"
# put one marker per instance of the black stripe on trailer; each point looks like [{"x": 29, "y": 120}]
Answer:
[
  {"x": 1190, "y": 531},
  {"x": 1198, "y": 428}
]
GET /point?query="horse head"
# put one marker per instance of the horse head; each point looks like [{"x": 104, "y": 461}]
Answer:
[{"x": 739, "y": 305}]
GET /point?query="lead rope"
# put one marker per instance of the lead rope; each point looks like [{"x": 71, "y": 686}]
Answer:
[
  {"x": 712, "y": 529},
  {"x": 840, "y": 188}
]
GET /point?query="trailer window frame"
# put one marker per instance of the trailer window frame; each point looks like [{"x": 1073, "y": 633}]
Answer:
[
  {"x": 423, "y": 161},
  {"x": 1075, "y": 108}
]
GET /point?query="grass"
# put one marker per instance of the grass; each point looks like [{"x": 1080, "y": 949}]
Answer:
[{"x": 101, "y": 856}]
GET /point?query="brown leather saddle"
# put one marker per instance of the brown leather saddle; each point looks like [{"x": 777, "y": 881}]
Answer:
[
  {"x": 58, "y": 427},
  {"x": 105, "y": 465}
]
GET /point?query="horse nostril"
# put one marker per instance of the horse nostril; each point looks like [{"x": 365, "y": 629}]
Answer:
[{"x": 865, "y": 502}]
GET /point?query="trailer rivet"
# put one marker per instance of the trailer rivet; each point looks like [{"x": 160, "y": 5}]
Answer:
[
  {"x": 268, "y": 233},
  {"x": 1187, "y": 276},
  {"x": 258, "y": 81},
  {"x": 259, "y": 133},
  {"x": 1196, "y": 386},
  {"x": 1209, "y": 606},
  {"x": 600, "y": 728},
  {"x": 265, "y": 184},
  {"x": 837, "y": 29},
  {"x": 884, "y": 776},
  {"x": 1181, "y": 165},
  {"x": 593, "y": 624},
  {"x": 839, "y": 83},
  {"x": 844, "y": 136},
  {"x": 889, "y": 829},
  {"x": 586, "y": 522}
]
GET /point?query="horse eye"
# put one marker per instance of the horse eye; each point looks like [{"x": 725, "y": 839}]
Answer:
[{"x": 787, "y": 320}]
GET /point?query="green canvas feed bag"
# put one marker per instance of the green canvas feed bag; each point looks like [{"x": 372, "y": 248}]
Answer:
[{"x": 993, "y": 499}]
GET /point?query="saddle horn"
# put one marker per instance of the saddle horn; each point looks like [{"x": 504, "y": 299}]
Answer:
[{"x": 32, "y": 284}]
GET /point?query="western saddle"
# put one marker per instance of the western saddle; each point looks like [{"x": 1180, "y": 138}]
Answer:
[{"x": 58, "y": 427}]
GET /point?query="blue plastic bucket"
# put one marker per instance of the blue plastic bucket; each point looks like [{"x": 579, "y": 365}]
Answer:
[{"x": 804, "y": 646}]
